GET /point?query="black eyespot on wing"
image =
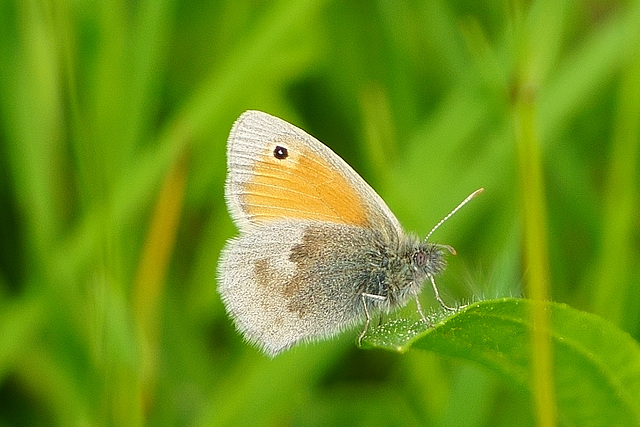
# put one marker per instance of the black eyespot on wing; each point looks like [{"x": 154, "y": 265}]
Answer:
[{"x": 280, "y": 153}]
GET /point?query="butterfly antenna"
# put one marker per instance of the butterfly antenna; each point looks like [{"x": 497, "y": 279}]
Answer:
[{"x": 464, "y": 202}]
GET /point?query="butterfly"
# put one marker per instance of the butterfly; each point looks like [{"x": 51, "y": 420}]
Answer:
[{"x": 319, "y": 251}]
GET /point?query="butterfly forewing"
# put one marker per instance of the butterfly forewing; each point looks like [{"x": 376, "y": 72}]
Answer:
[{"x": 279, "y": 171}]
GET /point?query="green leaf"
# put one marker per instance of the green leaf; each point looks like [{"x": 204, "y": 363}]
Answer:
[{"x": 597, "y": 366}]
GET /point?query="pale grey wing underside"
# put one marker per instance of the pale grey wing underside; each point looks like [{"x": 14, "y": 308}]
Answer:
[{"x": 288, "y": 282}]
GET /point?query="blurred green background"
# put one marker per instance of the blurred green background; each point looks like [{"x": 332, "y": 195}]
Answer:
[{"x": 113, "y": 124}]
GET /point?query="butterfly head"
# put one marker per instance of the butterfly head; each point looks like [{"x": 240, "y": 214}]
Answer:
[{"x": 428, "y": 259}]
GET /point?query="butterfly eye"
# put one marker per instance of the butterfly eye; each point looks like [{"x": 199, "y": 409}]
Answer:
[
  {"x": 280, "y": 153},
  {"x": 420, "y": 258}
]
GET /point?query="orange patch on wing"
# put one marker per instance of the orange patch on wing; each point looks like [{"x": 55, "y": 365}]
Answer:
[{"x": 301, "y": 186}]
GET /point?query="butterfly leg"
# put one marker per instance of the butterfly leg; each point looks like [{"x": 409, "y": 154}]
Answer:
[
  {"x": 424, "y": 318},
  {"x": 435, "y": 290},
  {"x": 366, "y": 312}
]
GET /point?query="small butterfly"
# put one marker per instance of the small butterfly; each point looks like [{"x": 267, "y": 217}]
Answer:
[{"x": 319, "y": 251}]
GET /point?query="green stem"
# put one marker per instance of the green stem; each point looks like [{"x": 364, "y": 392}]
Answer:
[{"x": 535, "y": 257}]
